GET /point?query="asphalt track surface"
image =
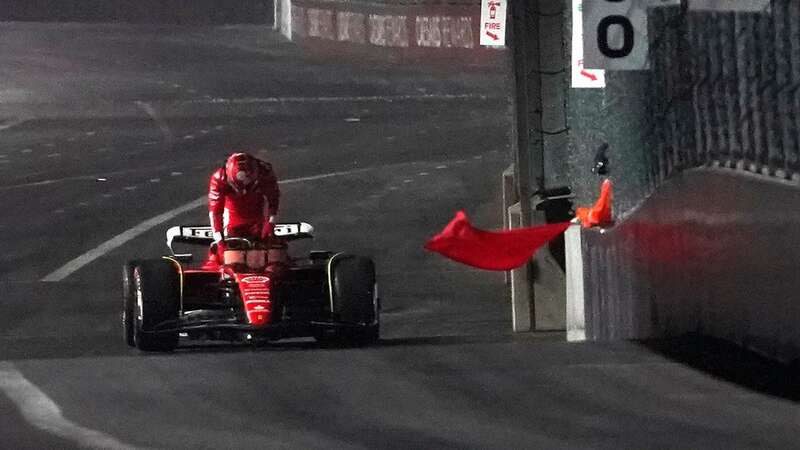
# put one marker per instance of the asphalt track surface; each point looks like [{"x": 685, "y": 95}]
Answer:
[{"x": 105, "y": 127}]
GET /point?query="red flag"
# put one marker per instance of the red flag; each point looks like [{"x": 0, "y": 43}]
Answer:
[{"x": 501, "y": 250}]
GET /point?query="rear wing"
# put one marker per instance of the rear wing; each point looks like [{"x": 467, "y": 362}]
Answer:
[{"x": 198, "y": 234}]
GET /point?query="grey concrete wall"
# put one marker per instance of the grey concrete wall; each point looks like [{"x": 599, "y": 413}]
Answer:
[
  {"x": 722, "y": 88},
  {"x": 431, "y": 33},
  {"x": 713, "y": 251},
  {"x": 181, "y": 12},
  {"x": 635, "y": 115},
  {"x": 703, "y": 155}
]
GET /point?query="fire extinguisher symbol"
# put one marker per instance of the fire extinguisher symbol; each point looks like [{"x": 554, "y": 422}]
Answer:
[{"x": 493, "y": 9}]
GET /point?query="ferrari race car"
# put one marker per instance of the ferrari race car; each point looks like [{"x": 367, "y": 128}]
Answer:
[{"x": 256, "y": 293}]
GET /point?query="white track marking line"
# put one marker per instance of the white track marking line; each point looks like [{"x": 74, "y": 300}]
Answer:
[
  {"x": 329, "y": 175},
  {"x": 117, "y": 241},
  {"x": 43, "y": 413},
  {"x": 358, "y": 98},
  {"x": 122, "y": 238},
  {"x": 93, "y": 177},
  {"x": 48, "y": 182},
  {"x": 10, "y": 124},
  {"x": 162, "y": 124}
]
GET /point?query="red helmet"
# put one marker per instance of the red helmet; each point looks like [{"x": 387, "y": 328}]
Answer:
[{"x": 241, "y": 170}]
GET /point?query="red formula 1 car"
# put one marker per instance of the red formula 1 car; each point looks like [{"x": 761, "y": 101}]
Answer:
[{"x": 259, "y": 293}]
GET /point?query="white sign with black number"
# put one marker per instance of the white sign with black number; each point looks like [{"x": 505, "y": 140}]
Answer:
[
  {"x": 615, "y": 33},
  {"x": 493, "y": 22},
  {"x": 581, "y": 76}
]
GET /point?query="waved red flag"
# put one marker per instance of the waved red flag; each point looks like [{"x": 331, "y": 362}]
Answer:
[{"x": 491, "y": 250}]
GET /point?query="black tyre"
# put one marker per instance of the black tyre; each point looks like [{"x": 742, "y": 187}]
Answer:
[
  {"x": 157, "y": 288},
  {"x": 354, "y": 299},
  {"x": 128, "y": 302}
]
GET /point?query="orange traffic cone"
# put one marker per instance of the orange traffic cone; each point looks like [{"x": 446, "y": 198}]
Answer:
[{"x": 600, "y": 213}]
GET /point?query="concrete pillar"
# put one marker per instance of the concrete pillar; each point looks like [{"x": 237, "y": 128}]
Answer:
[
  {"x": 537, "y": 289},
  {"x": 283, "y": 17},
  {"x": 521, "y": 313},
  {"x": 509, "y": 199},
  {"x": 576, "y": 314}
]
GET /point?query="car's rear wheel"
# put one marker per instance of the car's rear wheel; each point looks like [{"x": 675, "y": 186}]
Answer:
[
  {"x": 128, "y": 302},
  {"x": 354, "y": 300},
  {"x": 157, "y": 290}
]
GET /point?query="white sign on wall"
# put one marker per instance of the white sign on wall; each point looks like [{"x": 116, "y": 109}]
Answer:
[
  {"x": 581, "y": 76},
  {"x": 493, "y": 22},
  {"x": 615, "y": 33}
]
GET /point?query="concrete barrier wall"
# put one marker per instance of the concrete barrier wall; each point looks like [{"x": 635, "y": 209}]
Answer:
[
  {"x": 430, "y": 33},
  {"x": 713, "y": 251},
  {"x": 182, "y": 12}
]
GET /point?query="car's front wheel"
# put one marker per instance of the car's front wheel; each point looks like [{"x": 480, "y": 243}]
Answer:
[
  {"x": 128, "y": 302},
  {"x": 354, "y": 300},
  {"x": 157, "y": 289}
]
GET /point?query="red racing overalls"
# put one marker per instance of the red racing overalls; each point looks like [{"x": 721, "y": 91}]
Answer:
[{"x": 245, "y": 213}]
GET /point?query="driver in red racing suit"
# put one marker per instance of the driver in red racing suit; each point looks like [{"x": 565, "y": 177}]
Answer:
[{"x": 243, "y": 199}]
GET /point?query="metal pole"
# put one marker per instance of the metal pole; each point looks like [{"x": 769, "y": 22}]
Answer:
[
  {"x": 522, "y": 155},
  {"x": 521, "y": 285}
]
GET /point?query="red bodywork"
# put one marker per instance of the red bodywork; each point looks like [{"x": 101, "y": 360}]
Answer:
[
  {"x": 255, "y": 289},
  {"x": 256, "y": 295}
]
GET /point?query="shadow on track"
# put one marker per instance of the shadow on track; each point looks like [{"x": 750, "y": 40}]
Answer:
[
  {"x": 731, "y": 363},
  {"x": 310, "y": 344},
  {"x": 49, "y": 346},
  {"x": 65, "y": 320}
]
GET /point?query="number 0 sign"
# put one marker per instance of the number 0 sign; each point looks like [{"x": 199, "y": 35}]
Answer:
[{"x": 615, "y": 33}]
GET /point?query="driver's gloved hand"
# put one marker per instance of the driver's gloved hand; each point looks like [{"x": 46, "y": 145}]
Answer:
[
  {"x": 267, "y": 230},
  {"x": 218, "y": 246}
]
